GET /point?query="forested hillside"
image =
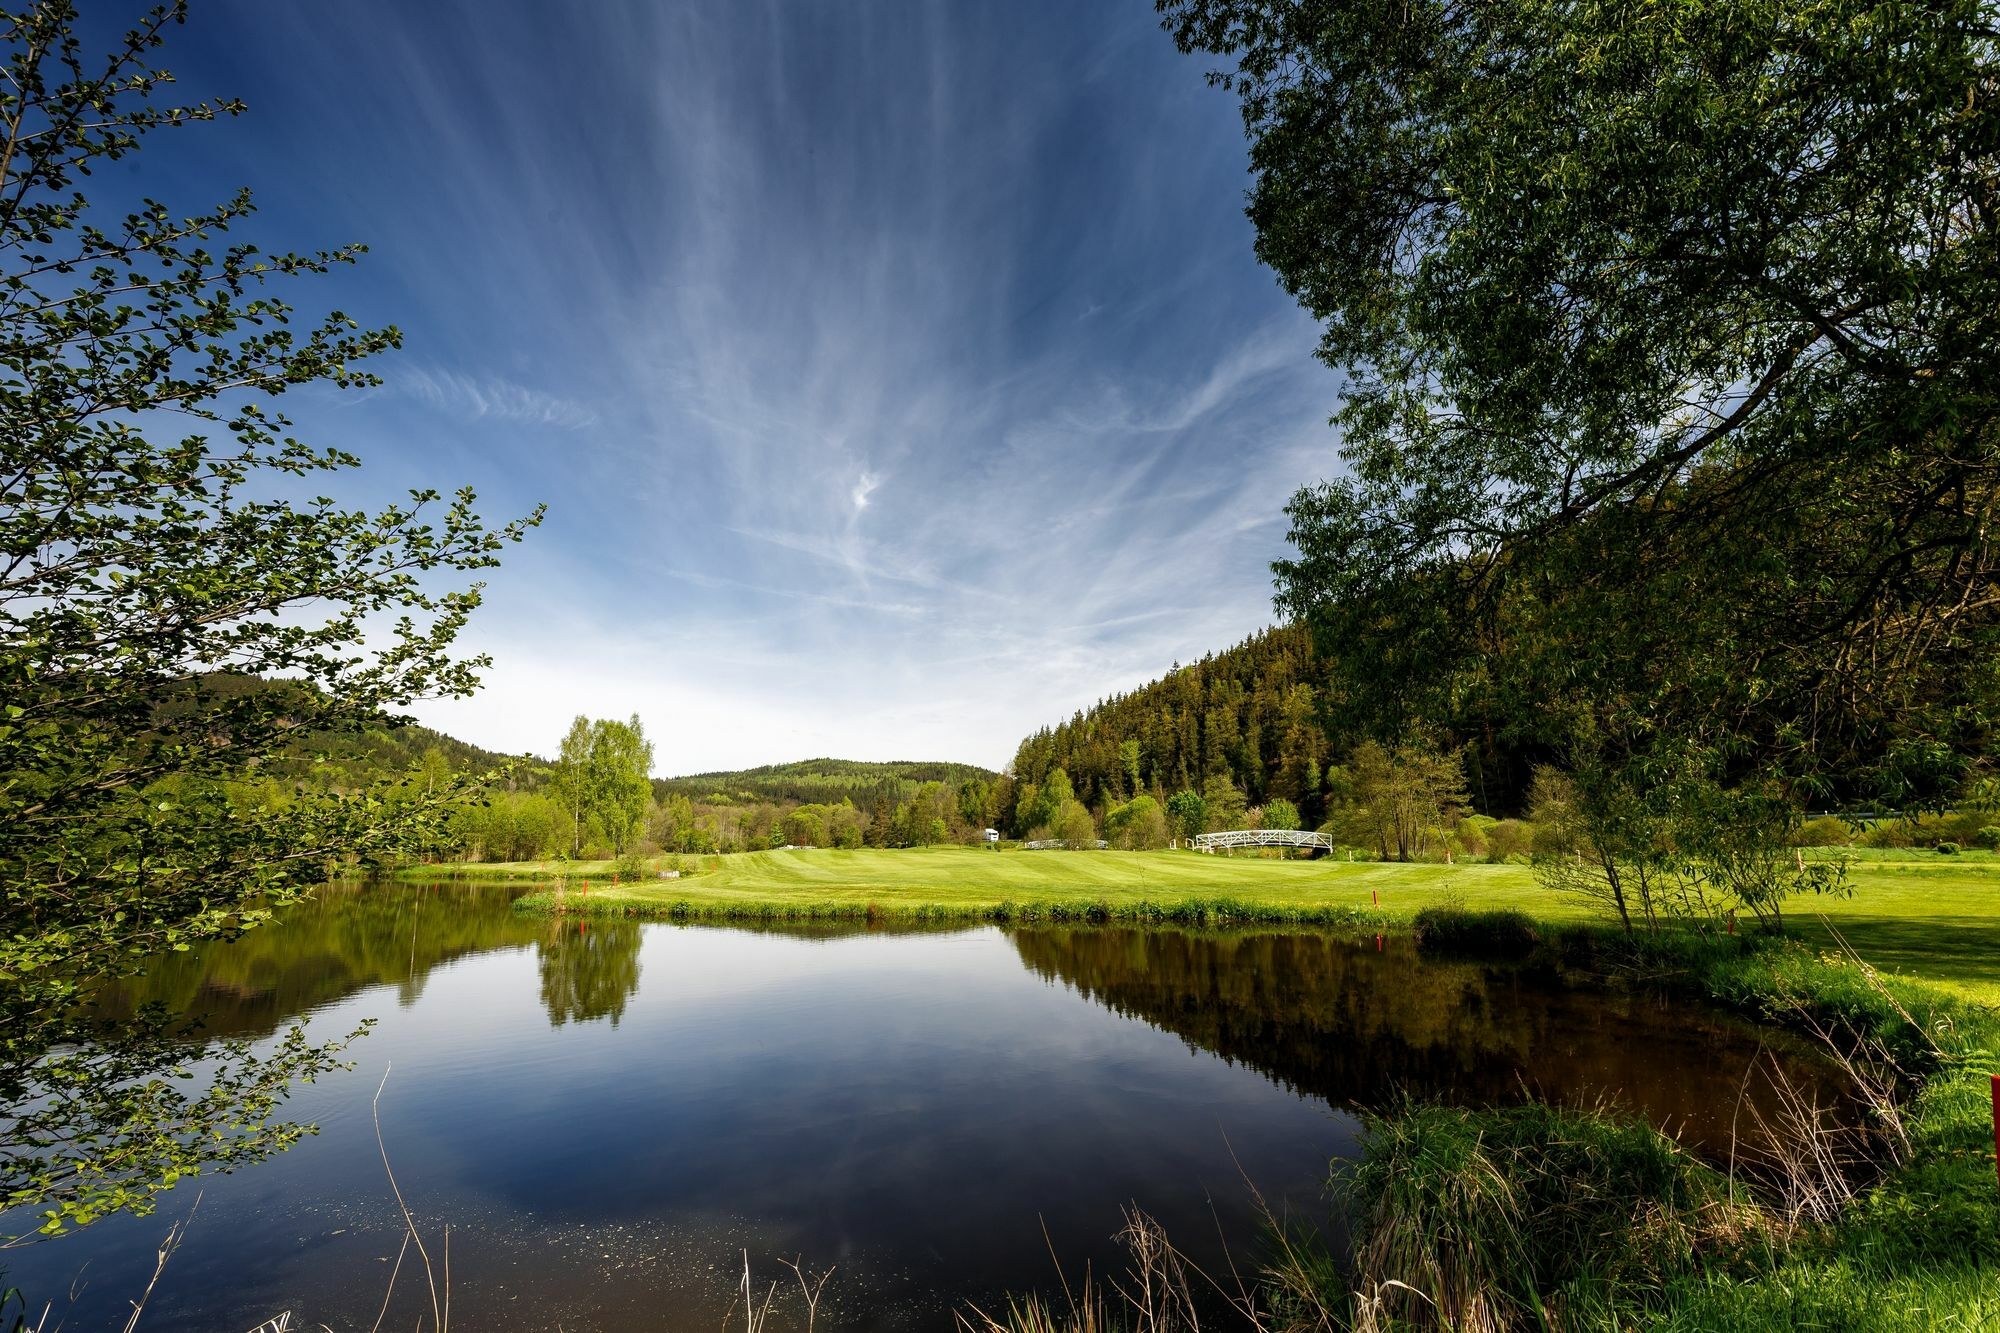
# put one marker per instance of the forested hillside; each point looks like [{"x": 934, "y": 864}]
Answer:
[
  {"x": 826, "y": 803},
  {"x": 344, "y": 760},
  {"x": 1249, "y": 714},
  {"x": 808, "y": 781}
]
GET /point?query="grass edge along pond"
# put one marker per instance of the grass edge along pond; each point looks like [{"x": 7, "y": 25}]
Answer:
[
  {"x": 1536, "y": 1216},
  {"x": 1916, "y": 915}
]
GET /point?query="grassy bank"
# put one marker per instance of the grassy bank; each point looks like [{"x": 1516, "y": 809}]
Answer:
[
  {"x": 973, "y": 884},
  {"x": 1533, "y": 1216},
  {"x": 1913, "y": 913}
]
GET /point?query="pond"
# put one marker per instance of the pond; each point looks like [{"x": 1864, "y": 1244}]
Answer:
[{"x": 610, "y": 1114}]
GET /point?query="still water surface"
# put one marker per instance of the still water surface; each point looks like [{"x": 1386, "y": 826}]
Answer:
[{"x": 609, "y": 1114}]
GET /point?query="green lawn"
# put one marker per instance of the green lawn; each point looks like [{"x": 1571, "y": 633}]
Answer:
[
  {"x": 1924, "y": 915},
  {"x": 1914, "y": 912}
]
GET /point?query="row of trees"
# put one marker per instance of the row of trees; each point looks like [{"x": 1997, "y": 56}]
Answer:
[
  {"x": 860, "y": 782},
  {"x": 597, "y": 800}
]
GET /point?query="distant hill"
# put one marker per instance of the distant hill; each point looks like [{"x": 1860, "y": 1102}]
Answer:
[
  {"x": 390, "y": 751},
  {"x": 357, "y": 759},
  {"x": 866, "y": 783}
]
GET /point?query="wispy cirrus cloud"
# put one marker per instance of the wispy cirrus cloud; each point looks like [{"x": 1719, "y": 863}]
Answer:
[
  {"x": 900, "y": 377},
  {"x": 487, "y": 397}
]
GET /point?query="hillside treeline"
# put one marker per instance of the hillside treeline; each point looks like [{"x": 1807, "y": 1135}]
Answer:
[
  {"x": 1250, "y": 715},
  {"x": 865, "y": 784},
  {"x": 594, "y": 799}
]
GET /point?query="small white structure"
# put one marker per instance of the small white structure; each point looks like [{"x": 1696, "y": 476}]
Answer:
[{"x": 992, "y": 835}]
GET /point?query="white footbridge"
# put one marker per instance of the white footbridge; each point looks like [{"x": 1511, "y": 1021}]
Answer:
[{"x": 1262, "y": 837}]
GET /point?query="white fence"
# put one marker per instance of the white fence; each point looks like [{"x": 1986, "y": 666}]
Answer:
[{"x": 1262, "y": 837}]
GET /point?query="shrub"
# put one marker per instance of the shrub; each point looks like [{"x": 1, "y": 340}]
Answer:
[
  {"x": 1947, "y": 849},
  {"x": 1074, "y": 826},
  {"x": 1508, "y": 839},
  {"x": 1137, "y": 825},
  {"x": 1826, "y": 831},
  {"x": 1925, "y": 830},
  {"x": 1889, "y": 833},
  {"x": 1472, "y": 834},
  {"x": 1280, "y": 814},
  {"x": 1988, "y": 838},
  {"x": 1467, "y": 934}
]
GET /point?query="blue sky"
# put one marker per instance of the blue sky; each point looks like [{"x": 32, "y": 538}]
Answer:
[{"x": 898, "y": 375}]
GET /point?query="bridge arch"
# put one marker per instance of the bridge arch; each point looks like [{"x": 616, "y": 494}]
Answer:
[{"x": 1262, "y": 837}]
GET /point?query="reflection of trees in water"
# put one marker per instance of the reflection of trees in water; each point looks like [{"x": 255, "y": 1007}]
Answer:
[
  {"x": 349, "y": 937},
  {"x": 346, "y": 937},
  {"x": 589, "y": 968},
  {"x": 1360, "y": 1027}
]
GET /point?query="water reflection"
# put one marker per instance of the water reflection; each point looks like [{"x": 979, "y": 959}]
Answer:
[
  {"x": 1354, "y": 1022},
  {"x": 1363, "y": 1023},
  {"x": 588, "y": 968},
  {"x": 345, "y": 939},
  {"x": 931, "y": 1112}
]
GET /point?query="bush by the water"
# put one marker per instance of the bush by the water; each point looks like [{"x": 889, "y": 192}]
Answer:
[{"x": 1456, "y": 931}]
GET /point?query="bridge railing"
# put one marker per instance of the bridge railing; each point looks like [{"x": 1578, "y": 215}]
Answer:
[{"x": 1262, "y": 837}]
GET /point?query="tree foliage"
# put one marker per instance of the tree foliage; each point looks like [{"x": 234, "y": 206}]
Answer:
[
  {"x": 150, "y": 564},
  {"x": 603, "y": 779},
  {"x": 1138, "y": 825},
  {"x": 1187, "y": 813},
  {"x": 1280, "y": 813},
  {"x": 1405, "y": 801},
  {"x": 1671, "y": 337}
]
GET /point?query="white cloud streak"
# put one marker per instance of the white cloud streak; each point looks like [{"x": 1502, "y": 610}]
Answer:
[
  {"x": 913, "y": 379},
  {"x": 484, "y": 397}
]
